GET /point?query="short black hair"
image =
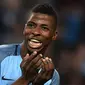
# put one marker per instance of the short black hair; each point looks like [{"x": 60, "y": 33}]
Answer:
[{"x": 45, "y": 8}]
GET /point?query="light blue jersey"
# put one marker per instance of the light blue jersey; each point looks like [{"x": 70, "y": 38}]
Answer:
[{"x": 11, "y": 71}]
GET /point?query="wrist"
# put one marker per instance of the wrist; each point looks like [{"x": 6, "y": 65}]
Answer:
[
  {"x": 24, "y": 80},
  {"x": 38, "y": 83},
  {"x": 21, "y": 81}
]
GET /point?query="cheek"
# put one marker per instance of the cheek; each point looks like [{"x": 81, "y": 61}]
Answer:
[
  {"x": 26, "y": 32},
  {"x": 46, "y": 35}
]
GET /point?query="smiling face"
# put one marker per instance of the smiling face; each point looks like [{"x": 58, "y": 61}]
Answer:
[{"x": 39, "y": 31}]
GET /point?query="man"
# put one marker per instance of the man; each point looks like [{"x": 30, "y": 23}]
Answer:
[{"x": 31, "y": 66}]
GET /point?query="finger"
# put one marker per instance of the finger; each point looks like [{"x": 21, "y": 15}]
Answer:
[
  {"x": 38, "y": 66},
  {"x": 43, "y": 70},
  {"x": 42, "y": 77},
  {"x": 28, "y": 63},
  {"x": 50, "y": 63},
  {"x": 23, "y": 63},
  {"x": 37, "y": 60},
  {"x": 26, "y": 57},
  {"x": 24, "y": 60},
  {"x": 32, "y": 55},
  {"x": 47, "y": 74},
  {"x": 48, "y": 66},
  {"x": 45, "y": 61},
  {"x": 50, "y": 69},
  {"x": 35, "y": 63}
]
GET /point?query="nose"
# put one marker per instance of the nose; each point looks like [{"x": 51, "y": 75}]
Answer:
[{"x": 36, "y": 31}]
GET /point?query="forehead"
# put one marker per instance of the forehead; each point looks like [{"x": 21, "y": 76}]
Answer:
[{"x": 40, "y": 16}]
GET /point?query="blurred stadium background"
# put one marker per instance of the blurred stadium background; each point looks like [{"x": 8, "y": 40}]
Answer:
[{"x": 68, "y": 51}]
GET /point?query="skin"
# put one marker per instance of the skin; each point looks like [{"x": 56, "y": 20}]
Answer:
[
  {"x": 42, "y": 27},
  {"x": 39, "y": 26}
]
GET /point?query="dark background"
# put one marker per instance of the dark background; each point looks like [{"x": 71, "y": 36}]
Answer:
[{"x": 68, "y": 51}]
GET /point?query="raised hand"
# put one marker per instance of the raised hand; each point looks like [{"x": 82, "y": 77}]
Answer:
[
  {"x": 29, "y": 66},
  {"x": 46, "y": 72}
]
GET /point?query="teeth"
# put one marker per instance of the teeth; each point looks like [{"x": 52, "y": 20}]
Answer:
[
  {"x": 34, "y": 40},
  {"x": 33, "y": 44}
]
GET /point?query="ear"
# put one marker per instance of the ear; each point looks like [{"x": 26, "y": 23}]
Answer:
[{"x": 54, "y": 36}]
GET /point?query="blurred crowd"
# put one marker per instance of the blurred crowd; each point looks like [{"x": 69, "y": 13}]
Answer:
[
  {"x": 70, "y": 46},
  {"x": 68, "y": 50}
]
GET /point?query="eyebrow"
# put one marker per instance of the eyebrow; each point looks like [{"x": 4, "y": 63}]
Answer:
[
  {"x": 30, "y": 22},
  {"x": 44, "y": 25},
  {"x": 35, "y": 23}
]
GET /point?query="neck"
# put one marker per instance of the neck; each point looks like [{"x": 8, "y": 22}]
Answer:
[{"x": 23, "y": 50}]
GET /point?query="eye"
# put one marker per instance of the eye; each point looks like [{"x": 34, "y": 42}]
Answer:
[
  {"x": 45, "y": 28},
  {"x": 30, "y": 25}
]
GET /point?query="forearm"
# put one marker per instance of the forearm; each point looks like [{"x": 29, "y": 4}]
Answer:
[{"x": 21, "y": 81}]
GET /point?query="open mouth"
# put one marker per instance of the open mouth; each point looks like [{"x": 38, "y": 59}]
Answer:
[{"x": 34, "y": 43}]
